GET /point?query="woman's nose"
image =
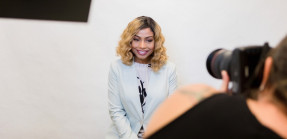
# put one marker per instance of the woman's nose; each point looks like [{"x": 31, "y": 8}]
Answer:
[{"x": 142, "y": 44}]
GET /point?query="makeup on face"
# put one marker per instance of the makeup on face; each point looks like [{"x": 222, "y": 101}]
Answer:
[{"x": 143, "y": 46}]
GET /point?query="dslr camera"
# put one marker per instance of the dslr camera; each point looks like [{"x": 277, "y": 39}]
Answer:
[{"x": 240, "y": 64}]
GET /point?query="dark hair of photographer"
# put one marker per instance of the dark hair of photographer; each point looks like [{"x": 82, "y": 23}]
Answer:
[
  {"x": 200, "y": 111},
  {"x": 277, "y": 80}
]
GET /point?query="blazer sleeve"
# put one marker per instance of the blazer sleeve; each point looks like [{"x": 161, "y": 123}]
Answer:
[
  {"x": 116, "y": 109},
  {"x": 172, "y": 80}
]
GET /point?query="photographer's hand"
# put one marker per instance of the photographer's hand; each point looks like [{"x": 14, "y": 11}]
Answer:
[{"x": 225, "y": 82}]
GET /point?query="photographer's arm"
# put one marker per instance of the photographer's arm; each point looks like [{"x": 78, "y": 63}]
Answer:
[{"x": 182, "y": 100}]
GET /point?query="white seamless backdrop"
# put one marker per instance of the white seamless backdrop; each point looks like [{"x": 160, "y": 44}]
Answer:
[{"x": 53, "y": 75}]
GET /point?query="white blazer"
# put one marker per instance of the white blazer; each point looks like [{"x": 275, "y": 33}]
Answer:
[{"x": 124, "y": 101}]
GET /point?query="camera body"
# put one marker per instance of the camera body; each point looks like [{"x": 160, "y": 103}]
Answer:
[{"x": 240, "y": 64}]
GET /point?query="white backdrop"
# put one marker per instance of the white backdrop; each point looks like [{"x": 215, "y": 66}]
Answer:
[{"x": 53, "y": 75}]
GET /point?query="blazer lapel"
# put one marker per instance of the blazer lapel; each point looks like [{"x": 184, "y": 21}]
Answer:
[{"x": 149, "y": 94}]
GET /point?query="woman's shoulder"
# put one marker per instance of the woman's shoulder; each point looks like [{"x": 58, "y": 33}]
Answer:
[
  {"x": 169, "y": 65},
  {"x": 118, "y": 63}
]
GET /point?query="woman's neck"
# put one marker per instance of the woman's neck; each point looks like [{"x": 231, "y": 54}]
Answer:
[{"x": 142, "y": 61}]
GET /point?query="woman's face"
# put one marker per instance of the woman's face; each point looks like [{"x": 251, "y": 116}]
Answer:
[{"x": 143, "y": 46}]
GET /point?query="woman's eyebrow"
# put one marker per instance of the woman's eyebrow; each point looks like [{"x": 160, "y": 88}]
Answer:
[{"x": 145, "y": 37}]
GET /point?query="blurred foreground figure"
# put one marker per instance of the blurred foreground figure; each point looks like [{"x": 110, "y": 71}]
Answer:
[{"x": 200, "y": 111}]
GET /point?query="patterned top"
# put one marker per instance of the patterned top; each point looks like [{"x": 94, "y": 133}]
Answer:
[{"x": 143, "y": 74}]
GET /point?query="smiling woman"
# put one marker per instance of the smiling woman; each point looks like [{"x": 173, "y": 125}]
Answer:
[
  {"x": 143, "y": 46},
  {"x": 140, "y": 80}
]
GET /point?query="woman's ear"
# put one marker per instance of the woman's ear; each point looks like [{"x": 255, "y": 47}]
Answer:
[{"x": 266, "y": 71}]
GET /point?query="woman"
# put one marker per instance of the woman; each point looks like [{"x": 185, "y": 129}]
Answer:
[
  {"x": 140, "y": 80},
  {"x": 200, "y": 111}
]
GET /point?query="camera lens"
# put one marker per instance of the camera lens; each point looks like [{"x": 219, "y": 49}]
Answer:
[{"x": 218, "y": 60}]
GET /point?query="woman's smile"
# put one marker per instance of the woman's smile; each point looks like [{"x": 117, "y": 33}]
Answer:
[{"x": 142, "y": 52}]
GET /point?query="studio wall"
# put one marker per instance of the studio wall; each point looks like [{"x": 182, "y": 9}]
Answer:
[{"x": 53, "y": 74}]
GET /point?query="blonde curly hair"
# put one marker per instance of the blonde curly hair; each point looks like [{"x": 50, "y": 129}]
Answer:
[{"x": 159, "y": 56}]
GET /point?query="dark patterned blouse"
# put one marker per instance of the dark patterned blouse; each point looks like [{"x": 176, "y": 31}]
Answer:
[{"x": 143, "y": 73}]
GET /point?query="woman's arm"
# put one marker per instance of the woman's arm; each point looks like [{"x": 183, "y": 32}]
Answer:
[
  {"x": 116, "y": 109},
  {"x": 182, "y": 100}
]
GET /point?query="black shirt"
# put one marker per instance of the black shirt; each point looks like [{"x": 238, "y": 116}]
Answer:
[{"x": 219, "y": 116}]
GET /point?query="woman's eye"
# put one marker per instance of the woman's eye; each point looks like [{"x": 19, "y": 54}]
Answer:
[
  {"x": 150, "y": 40},
  {"x": 136, "y": 39}
]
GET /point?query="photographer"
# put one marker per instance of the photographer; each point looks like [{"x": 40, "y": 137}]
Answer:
[{"x": 200, "y": 111}]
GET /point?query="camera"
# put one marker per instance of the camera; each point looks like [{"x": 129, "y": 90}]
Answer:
[{"x": 244, "y": 66}]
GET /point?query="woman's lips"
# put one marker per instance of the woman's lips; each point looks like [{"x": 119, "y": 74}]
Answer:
[{"x": 141, "y": 52}]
